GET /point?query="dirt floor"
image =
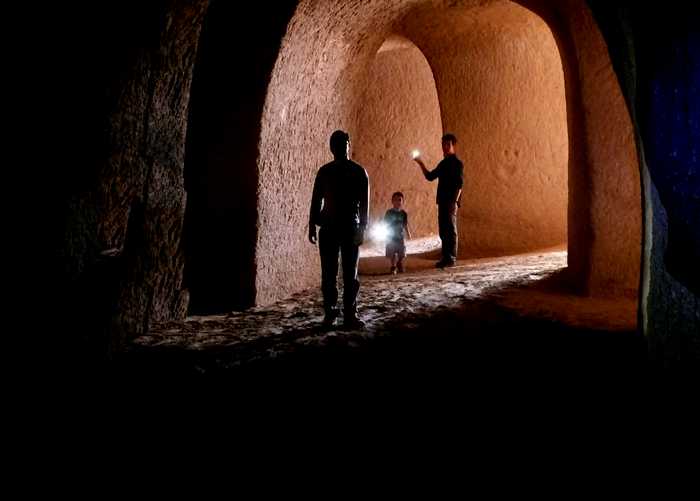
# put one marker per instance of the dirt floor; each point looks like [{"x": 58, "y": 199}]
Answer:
[{"x": 484, "y": 318}]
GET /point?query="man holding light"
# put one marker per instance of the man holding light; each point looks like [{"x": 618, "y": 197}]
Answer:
[
  {"x": 340, "y": 206},
  {"x": 450, "y": 172}
]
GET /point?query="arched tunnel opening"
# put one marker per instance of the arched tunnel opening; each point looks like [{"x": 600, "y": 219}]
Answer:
[
  {"x": 542, "y": 170},
  {"x": 508, "y": 102},
  {"x": 543, "y": 131},
  {"x": 198, "y": 141}
]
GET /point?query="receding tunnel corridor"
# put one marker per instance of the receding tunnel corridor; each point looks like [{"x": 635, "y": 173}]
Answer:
[
  {"x": 498, "y": 76},
  {"x": 189, "y": 234},
  {"x": 503, "y": 89}
]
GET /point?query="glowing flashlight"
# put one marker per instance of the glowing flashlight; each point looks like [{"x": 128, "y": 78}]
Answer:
[
  {"x": 415, "y": 154},
  {"x": 379, "y": 232}
]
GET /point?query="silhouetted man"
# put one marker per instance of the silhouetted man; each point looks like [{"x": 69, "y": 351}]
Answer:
[
  {"x": 450, "y": 173},
  {"x": 340, "y": 206}
]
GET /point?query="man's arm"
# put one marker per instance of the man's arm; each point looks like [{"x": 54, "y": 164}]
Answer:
[
  {"x": 458, "y": 198},
  {"x": 315, "y": 212},
  {"x": 457, "y": 201},
  {"x": 364, "y": 201},
  {"x": 429, "y": 175}
]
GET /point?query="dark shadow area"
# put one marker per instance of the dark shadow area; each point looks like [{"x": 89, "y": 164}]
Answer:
[
  {"x": 668, "y": 106},
  {"x": 96, "y": 61},
  {"x": 237, "y": 51}
]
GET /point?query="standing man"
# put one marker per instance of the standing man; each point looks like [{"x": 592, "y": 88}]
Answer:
[
  {"x": 340, "y": 206},
  {"x": 450, "y": 173}
]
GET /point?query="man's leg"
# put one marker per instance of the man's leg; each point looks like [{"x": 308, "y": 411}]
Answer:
[
  {"x": 329, "y": 247},
  {"x": 401, "y": 254},
  {"x": 447, "y": 221},
  {"x": 351, "y": 285}
]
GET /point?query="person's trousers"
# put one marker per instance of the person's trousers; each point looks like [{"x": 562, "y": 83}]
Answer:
[
  {"x": 331, "y": 243},
  {"x": 447, "y": 222}
]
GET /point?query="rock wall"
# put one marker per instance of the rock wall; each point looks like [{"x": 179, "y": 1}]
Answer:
[{"x": 122, "y": 252}]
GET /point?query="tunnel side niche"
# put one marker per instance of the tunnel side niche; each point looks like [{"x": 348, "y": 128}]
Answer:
[{"x": 400, "y": 112}]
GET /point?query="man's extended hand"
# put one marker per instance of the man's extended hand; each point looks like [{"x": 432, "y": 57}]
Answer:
[{"x": 312, "y": 234}]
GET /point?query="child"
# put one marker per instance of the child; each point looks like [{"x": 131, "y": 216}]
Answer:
[{"x": 397, "y": 221}]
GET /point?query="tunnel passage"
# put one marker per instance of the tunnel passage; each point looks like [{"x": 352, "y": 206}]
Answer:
[
  {"x": 319, "y": 84},
  {"x": 324, "y": 49},
  {"x": 507, "y": 104}
]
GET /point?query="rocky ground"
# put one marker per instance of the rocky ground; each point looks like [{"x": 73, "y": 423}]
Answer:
[{"x": 509, "y": 314}]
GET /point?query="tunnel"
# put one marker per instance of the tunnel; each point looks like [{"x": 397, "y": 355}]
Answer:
[
  {"x": 208, "y": 139},
  {"x": 542, "y": 168},
  {"x": 511, "y": 109}
]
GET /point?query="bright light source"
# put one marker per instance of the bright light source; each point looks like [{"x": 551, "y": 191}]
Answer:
[
  {"x": 379, "y": 232},
  {"x": 415, "y": 153}
]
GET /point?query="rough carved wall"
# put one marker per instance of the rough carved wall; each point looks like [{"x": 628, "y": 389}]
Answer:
[
  {"x": 400, "y": 112},
  {"x": 133, "y": 201}
]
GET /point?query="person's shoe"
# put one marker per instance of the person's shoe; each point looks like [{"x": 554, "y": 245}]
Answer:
[
  {"x": 444, "y": 264},
  {"x": 400, "y": 268},
  {"x": 393, "y": 270},
  {"x": 351, "y": 322},
  {"x": 330, "y": 317}
]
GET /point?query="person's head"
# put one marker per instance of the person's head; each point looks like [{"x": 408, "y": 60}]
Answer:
[
  {"x": 340, "y": 144},
  {"x": 397, "y": 200},
  {"x": 449, "y": 143}
]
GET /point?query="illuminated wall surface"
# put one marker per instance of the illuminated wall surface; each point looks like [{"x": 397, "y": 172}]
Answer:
[{"x": 196, "y": 155}]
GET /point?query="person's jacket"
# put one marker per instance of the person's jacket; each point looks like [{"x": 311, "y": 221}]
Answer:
[
  {"x": 340, "y": 196},
  {"x": 450, "y": 173}
]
